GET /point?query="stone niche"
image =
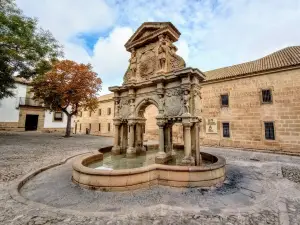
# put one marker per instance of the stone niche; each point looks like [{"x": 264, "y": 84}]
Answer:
[{"x": 157, "y": 75}]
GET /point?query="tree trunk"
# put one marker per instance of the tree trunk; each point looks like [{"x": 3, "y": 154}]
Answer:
[{"x": 68, "y": 129}]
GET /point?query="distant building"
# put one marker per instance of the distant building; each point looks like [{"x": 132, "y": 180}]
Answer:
[
  {"x": 22, "y": 113},
  {"x": 99, "y": 122}
]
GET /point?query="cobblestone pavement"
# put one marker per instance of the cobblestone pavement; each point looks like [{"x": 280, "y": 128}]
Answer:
[{"x": 260, "y": 188}]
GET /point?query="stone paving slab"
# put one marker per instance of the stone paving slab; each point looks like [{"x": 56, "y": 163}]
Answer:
[{"x": 255, "y": 192}]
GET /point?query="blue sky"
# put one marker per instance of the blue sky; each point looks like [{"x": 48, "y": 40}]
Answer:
[{"x": 215, "y": 33}]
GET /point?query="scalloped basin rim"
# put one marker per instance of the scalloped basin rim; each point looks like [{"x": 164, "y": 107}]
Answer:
[
  {"x": 79, "y": 165},
  {"x": 168, "y": 175}
]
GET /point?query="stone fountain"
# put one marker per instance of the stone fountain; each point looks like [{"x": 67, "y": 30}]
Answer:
[{"x": 155, "y": 75}]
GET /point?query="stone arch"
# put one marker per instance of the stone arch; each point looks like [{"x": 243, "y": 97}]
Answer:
[{"x": 142, "y": 105}]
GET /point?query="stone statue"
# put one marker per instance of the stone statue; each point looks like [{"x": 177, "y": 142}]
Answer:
[
  {"x": 161, "y": 104},
  {"x": 185, "y": 103},
  {"x": 162, "y": 53},
  {"x": 133, "y": 64},
  {"x": 118, "y": 107},
  {"x": 132, "y": 106}
]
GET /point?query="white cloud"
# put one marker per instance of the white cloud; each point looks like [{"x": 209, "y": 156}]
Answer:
[
  {"x": 66, "y": 18},
  {"x": 183, "y": 49},
  {"x": 215, "y": 33},
  {"x": 110, "y": 58}
]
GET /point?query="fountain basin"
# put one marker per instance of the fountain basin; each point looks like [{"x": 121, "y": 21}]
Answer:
[{"x": 206, "y": 175}]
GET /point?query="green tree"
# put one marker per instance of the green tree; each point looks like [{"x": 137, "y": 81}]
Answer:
[{"x": 25, "y": 49}]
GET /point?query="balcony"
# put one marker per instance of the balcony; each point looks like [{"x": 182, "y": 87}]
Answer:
[{"x": 30, "y": 102}]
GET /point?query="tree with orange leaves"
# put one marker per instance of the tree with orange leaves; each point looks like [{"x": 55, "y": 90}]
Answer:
[{"x": 68, "y": 86}]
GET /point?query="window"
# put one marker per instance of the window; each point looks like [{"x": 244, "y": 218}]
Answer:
[
  {"x": 269, "y": 131},
  {"x": 266, "y": 96},
  {"x": 80, "y": 114},
  {"x": 58, "y": 116},
  {"x": 99, "y": 112},
  {"x": 90, "y": 113},
  {"x": 226, "y": 131},
  {"x": 100, "y": 127},
  {"x": 224, "y": 100},
  {"x": 79, "y": 127},
  {"x": 90, "y": 126},
  {"x": 108, "y": 111},
  {"x": 108, "y": 128}
]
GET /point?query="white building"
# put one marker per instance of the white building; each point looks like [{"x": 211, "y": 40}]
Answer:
[{"x": 22, "y": 113}]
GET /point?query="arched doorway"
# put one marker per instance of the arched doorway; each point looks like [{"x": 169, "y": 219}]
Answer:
[{"x": 151, "y": 128}]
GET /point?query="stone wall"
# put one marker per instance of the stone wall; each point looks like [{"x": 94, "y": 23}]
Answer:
[
  {"x": 93, "y": 119},
  {"x": 10, "y": 126},
  {"x": 246, "y": 114}
]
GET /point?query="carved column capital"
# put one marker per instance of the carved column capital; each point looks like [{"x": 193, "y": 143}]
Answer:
[
  {"x": 160, "y": 121},
  {"x": 117, "y": 121},
  {"x": 131, "y": 122}
]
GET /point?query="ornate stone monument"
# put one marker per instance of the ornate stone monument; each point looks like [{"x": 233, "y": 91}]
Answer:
[{"x": 157, "y": 75}]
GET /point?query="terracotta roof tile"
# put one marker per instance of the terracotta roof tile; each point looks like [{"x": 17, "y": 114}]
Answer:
[{"x": 286, "y": 57}]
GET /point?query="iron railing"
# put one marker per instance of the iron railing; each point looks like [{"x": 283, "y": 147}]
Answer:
[{"x": 30, "y": 102}]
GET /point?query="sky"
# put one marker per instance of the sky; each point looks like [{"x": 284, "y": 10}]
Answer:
[{"x": 214, "y": 33}]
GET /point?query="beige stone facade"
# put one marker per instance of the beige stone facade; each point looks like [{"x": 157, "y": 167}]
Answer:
[
  {"x": 99, "y": 122},
  {"x": 246, "y": 113}
]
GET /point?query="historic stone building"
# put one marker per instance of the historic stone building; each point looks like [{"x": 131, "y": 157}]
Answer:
[
  {"x": 22, "y": 113},
  {"x": 250, "y": 105},
  {"x": 99, "y": 122},
  {"x": 254, "y": 104}
]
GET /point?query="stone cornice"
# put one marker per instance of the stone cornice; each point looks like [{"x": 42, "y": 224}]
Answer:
[
  {"x": 161, "y": 78},
  {"x": 162, "y": 28}
]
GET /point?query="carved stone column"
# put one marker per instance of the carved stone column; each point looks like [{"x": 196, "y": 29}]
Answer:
[
  {"x": 168, "y": 138},
  {"x": 138, "y": 137},
  {"x": 143, "y": 149},
  {"x": 173, "y": 152},
  {"x": 161, "y": 149},
  {"x": 116, "y": 150},
  {"x": 131, "y": 150},
  {"x": 198, "y": 156},
  {"x": 124, "y": 137},
  {"x": 188, "y": 159},
  {"x": 161, "y": 156}
]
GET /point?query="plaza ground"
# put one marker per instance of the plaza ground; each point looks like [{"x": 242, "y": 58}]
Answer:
[{"x": 260, "y": 188}]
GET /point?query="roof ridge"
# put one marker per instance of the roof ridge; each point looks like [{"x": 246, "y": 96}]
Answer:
[{"x": 288, "y": 56}]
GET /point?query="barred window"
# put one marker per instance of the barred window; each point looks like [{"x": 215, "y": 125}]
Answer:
[
  {"x": 226, "y": 131},
  {"x": 99, "y": 126},
  {"x": 90, "y": 126},
  {"x": 58, "y": 116},
  {"x": 224, "y": 100},
  {"x": 99, "y": 112},
  {"x": 108, "y": 128},
  {"x": 266, "y": 96},
  {"x": 90, "y": 113},
  {"x": 79, "y": 127},
  {"x": 108, "y": 111},
  {"x": 269, "y": 131}
]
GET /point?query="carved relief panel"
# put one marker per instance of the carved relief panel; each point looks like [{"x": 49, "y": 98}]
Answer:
[
  {"x": 173, "y": 101},
  {"x": 125, "y": 109}
]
